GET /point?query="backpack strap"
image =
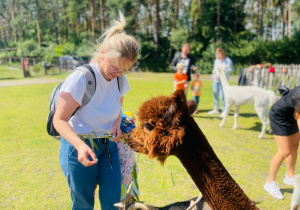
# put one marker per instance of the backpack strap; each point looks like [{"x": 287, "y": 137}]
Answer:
[
  {"x": 120, "y": 83},
  {"x": 90, "y": 83}
]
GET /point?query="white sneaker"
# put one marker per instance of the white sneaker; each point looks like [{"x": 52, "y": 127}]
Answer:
[
  {"x": 289, "y": 180},
  {"x": 273, "y": 189},
  {"x": 214, "y": 112}
]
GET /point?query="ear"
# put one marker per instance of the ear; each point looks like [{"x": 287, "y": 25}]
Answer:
[
  {"x": 191, "y": 105},
  {"x": 178, "y": 101}
]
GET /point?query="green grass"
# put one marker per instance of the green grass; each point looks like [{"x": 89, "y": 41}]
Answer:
[
  {"x": 17, "y": 74},
  {"x": 31, "y": 177}
]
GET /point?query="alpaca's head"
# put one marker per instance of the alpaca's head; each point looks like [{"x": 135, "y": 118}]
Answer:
[
  {"x": 219, "y": 69},
  {"x": 162, "y": 125}
]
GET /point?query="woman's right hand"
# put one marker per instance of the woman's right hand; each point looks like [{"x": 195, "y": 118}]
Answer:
[{"x": 84, "y": 152}]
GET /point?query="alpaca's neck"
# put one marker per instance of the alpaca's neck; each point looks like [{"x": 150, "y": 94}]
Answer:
[
  {"x": 224, "y": 81},
  {"x": 213, "y": 180}
]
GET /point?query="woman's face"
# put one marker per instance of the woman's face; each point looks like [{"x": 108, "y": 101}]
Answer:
[
  {"x": 219, "y": 55},
  {"x": 110, "y": 70}
]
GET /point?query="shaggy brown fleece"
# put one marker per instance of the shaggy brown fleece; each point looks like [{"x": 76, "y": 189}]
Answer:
[{"x": 167, "y": 128}]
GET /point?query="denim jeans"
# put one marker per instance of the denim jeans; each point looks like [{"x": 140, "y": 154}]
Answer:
[
  {"x": 217, "y": 88},
  {"x": 81, "y": 179}
]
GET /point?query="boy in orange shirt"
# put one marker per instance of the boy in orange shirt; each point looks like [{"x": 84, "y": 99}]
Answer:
[
  {"x": 196, "y": 86},
  {"x": 180, "y": 78}
]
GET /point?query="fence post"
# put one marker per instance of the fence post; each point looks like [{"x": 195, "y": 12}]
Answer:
[{"x": 255, "y": 82}]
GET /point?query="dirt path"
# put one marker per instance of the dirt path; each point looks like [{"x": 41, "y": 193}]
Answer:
[{"x": 28, "y": 82}]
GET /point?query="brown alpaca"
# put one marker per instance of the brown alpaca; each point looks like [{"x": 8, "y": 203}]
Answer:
[{"x": 167, "y": 128}]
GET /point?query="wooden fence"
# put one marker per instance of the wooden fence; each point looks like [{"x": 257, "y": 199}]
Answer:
[{"x": 271, "y": 77}]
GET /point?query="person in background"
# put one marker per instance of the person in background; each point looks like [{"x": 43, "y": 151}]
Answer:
[
  {"x": 83, "y": 166},
  {"x": 221, "y": 58},
  {"x": 180, "y": 78},
  {"x": 187, "y": 60},
  {"x": 285, "y": 122},
  {"x": 196, "y": 87}
]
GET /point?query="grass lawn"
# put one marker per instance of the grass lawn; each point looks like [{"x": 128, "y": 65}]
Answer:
[{"x": 31, "y": 177}]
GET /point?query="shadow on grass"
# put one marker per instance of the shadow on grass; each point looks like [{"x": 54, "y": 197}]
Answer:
[
  {"x": 256, "y": 202},
  {"x": 256, "y": 127},
  {"x": 206, "y": 117},
  {"x": 288, "y": 190},
  {"x": 248, "y": 115},
  {"x": 9, "y": 78}
]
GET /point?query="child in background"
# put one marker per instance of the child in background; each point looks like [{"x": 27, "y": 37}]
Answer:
[
  {"x": 180, "y": 78},
  {"x": 196, "y": 86},
  {"x": 129, "y": 167}
]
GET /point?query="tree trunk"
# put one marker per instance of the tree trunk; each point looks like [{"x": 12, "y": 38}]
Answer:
[
  {"x": 85, "y": 26},
  {"x": 65, "y": 19},
  {"x": 150, "y": 20},
  {"x": 196, "y": 18},
  {"x": 289, "y": 18},
  {"x": 157, "y": 24},
  {"x": 261, "y": 26},
  {"x": 174, "y": 20},
  {"x": 218, "y": 21},
  {"x": 13, "y": 18},
  {"x": 2, "y": 33},
  {"x": 58, "y": 23},
  {"x": 146, "y": 19},
  {"x": 93, "y": 18},
  {"x": 282, "y": 17},
  {"x": 269, "y": 19},
  {"x": 38, "y": 32},
  {"x": 54, "y": 21},
  {"x": 101, "y": 16}
]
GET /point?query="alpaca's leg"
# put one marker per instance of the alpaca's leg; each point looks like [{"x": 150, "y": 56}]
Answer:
[
  {"x": 236, "y": 115},
  {"x": 262, "y": 113},
  {"x": 226, "y": 112}
]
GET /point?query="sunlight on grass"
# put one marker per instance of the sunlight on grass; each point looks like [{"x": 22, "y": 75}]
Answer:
[{"x": 31, "y": 177}]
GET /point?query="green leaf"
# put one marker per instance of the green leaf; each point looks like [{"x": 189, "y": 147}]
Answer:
[
  {"x": 95, "y": 145},
  {"x": 94, "y": 134},
  {"x": 173, "y": 181},
  {"x": 92, "y": 142},
  {"x": 135, "y": 195},
  {"x": 82, "y": 138}
]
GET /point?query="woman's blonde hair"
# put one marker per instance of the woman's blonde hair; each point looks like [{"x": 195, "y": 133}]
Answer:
[
  {"x": 115, "y": 44},
  {"x": 220, "y": 50}
]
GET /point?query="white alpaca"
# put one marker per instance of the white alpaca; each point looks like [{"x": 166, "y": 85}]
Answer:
[
  {"x": 239, "y": 95},
  {"x": 295, "y": 203}
]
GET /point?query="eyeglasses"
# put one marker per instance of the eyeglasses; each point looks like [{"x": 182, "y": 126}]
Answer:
[{"x": 115, "y": 70}]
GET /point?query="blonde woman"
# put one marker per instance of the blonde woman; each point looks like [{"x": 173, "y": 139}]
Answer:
[
  {"x": 221, "y": 58},
  {"x": 285, "y": 123},
  {"x": 82, "y": 166}
]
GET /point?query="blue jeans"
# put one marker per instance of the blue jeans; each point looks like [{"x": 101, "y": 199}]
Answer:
[
  {"x": 81, "y": 179},
  {"x": 217, "y": 88}
]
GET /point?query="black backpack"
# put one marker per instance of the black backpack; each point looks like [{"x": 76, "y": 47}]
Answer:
[{"x": 88, "y": 94}]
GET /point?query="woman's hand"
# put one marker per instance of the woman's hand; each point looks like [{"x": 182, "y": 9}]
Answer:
[
  {"x": 84, "y": 152},
  {"x": 116, "y": 131}
]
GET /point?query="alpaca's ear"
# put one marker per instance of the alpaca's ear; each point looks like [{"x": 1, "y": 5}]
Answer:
[
  {"x": 178, "y": 100},
  {"x": 178, "y": 97}
]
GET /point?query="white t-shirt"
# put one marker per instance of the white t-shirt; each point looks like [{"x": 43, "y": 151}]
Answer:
[{"x": 102, "y": 110}]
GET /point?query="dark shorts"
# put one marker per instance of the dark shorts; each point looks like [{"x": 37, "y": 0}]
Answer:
[{"x": 282, "y": 122}]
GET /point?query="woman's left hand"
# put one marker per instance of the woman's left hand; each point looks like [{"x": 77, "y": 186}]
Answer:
[{"x": 116, "y": 130}]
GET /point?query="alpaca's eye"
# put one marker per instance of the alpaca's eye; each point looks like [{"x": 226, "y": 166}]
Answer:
[{"x": 149, "y": 126}]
